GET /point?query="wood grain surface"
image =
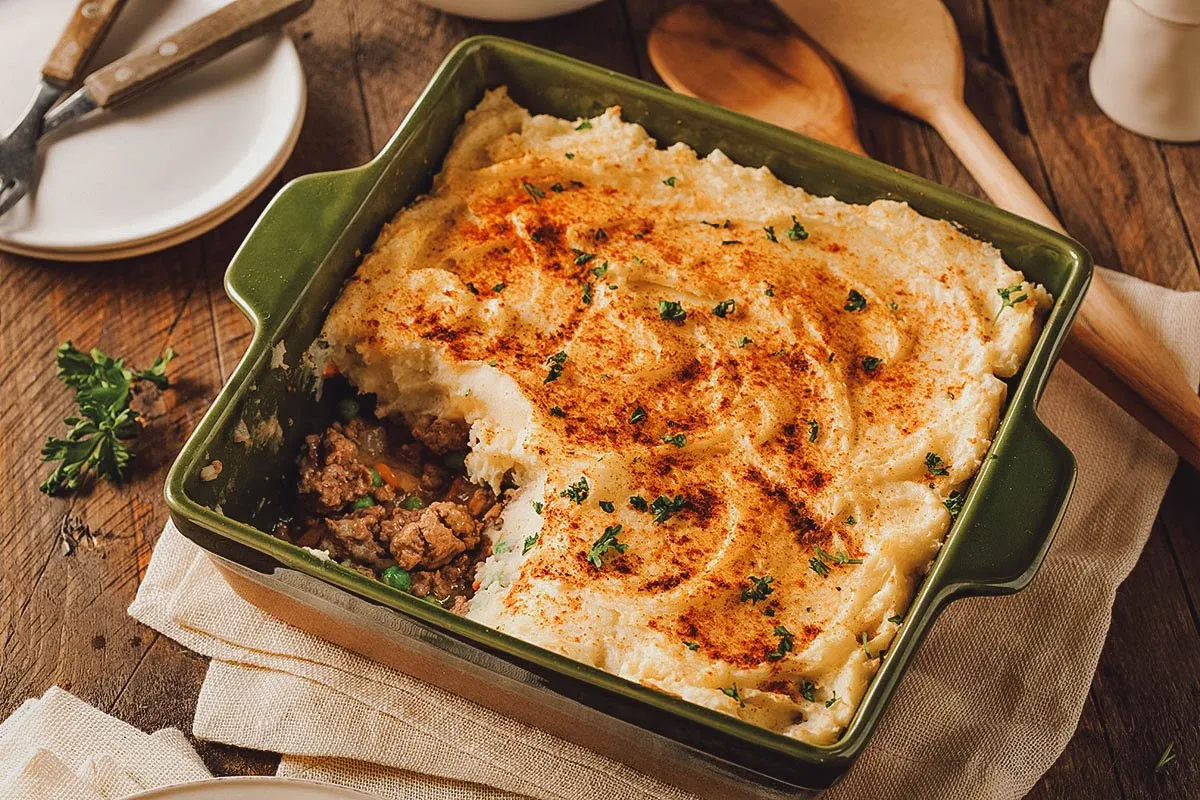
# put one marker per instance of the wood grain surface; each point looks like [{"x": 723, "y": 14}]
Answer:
[{"x": 1134, "y": 203}]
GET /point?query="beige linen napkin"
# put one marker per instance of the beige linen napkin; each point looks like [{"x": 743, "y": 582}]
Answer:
[
  {"x": 341, "y": 718},
  {"x": 58, "y": 747}
]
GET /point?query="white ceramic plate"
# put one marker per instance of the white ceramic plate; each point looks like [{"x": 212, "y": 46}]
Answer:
[
  {"x": 252, "y": 789},
  {"x": 149, "y": 170}
]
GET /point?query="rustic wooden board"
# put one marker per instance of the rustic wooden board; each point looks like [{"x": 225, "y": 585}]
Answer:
[{"x": 1134, "y": 203}]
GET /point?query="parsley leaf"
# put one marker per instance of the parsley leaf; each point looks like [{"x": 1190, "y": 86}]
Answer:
[
  {"x": 871, "y": 363},
  {"x": 600, "y": 270},
  {"x": 896, "y": 619},
  {"x": 677, "y": 439},
  {"x": 691, "y": 645},
  {"x": 530, "y": 541},
  {"x": 570, "y": 156},
  {"x": 770, "y": 290},
  {"x": 954, "y": 503},
  {"x": 664, "y": 508},
  {"x": 586, "y": 295},
  {"x": 808, "y": 690},
  {"x": 818, "y": 566},
  {"x": 934, "y": 464},
  {"x": 533, "y": 191},
  {"x": 638, "y": 415},
  {"x": 832, "y": 699},
  {"x": 671, "y": 311},
  {"x": 639, "y": 502},
  {"x": 555, "y": 411},
  {"x": 733, "y": 692},
  {"x": 556, "y": 363},
  {"x": 770, "y": 231},
  {"x": 581, "y": 257},
  {"x": 797, "y": 233},
  {"x": 607, "y": 506},
  {"x": 855, "y": 301},
  {"x": 759, "y": 588},
  {"x": 814, "y": 430},
  {"x": 723, "y": 308},
  {"x": 862, "y": 639},
  {"x": 584, "y": 126},
  {"x": 499, "y": 287},
  {"x": 669, "y": 181},
  {"x": 577, "y": 492},
  {"x": 745, "y": 340},
  {"x": 1007, "y": 300},
  {"x": 537, "y": 507},
  {"x": 785, "y": 643},
  {"x": 606, "y": 542},
  {"x": 96, "y": 441}
]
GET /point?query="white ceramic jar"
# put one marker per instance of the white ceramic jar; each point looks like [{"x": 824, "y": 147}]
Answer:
[{"x": 1146, "y": 72}]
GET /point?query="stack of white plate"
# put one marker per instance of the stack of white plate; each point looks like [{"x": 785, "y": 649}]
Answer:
[{"x": 165, "y": 167}]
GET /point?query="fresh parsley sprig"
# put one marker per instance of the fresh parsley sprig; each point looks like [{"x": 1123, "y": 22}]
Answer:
[
  {"x": 96, "y": 442},
  {"x": 606, "y": 542}
]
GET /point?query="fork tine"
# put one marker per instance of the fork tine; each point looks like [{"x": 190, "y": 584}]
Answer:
[{"x": 11, "y": 191}]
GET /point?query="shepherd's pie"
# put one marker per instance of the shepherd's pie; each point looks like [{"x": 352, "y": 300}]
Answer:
[{"x": 720, "y": 426}]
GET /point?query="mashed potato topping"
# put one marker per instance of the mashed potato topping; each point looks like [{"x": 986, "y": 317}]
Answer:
[{"x": 739, "y": 417}]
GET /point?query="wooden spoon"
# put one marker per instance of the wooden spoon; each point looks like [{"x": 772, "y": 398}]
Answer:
[
  {"x": 761, "y": 68},
  {"x": 907, "y": 53}
]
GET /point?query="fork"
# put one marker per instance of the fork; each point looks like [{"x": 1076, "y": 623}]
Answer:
[{"x": 88, "y": 26}]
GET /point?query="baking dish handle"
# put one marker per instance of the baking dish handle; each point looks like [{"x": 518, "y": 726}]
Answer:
[
  {"x": 291, "y": 240},
  {"x": 1013, "y": 513}
]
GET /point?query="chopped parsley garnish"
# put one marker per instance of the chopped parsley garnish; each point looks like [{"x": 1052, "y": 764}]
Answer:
[
  {"x": 1166, "y": 758},
  {"x": 832, "y": 699},
  {"x": 606, "y": 542},
  {"x": 896, "y": 619},
  {"x": 584, "y": 126},
  {"x": 934, "y": 464},
  {"x": 556, "y": 363},
  {"x": 808, "y": 690},
  {"x": 501, "y": 548},
  {"x": 871, "y": 363},
  {"x": 850, "y": 520},
  {"x": 569, "y": 156},
  {"x": 669, "y": 181},
  {"x": 530, "y": 541},
  {"x": 770, "y": 290},
  {"x": 576, "y": 184},
  {"x": 664, "y": 507},
  {"x": 677, "y": 439},
  {"x": 471, "y": 288},
  {"x": 818, "y": 566},
  {"x": 577, "y": 492},
  {"x": 691, "y": 645},
  {"x": 557, "y": 187},
  {"x": 862, "y": 639},
  {"x": 96, "y": 441},
  {"x": 954, "y": 503},
  {"x": 723, "y": 308},
  {"x": 733, "y": 692},
  {"x": 500, "y": 287},
  {"x": 581, "y": 257},
  {"x": 600, "y": 270},
  {"x": 731, "y": 241},
  {"x": 671, "y": 310},
  {"x": 492, "y": 362},
  {"x": 841, "y": 558},
  {"x": 759, "y": 588},
  {"x": 814, "y": 430},
  {"x": 607, "y": 506},
  {"x": 770, "y": 231},
  {"x": 533, "y": 191},
  {"x": 556, "y": 411},
  {"x": 600, "y": 235},
  {"x": 537, "y": 507},
  {"x": 638, "y": 415},
  {"x": 639, "y": 502},
  {"x": 586, "y": 295},
  {"x": 726, "y": 224},
  {"x": 785, "y": 643},
  {"x": 893, "y": 306},
  {"x": 855, "y": 301},
  {"x": 797, "y": 233},
  {"x": 1007, "y": 300},
  {"x": 745, "y": 340}
]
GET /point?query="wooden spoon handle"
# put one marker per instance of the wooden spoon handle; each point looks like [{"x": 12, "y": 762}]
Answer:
[
  {"x": 1108, "y": 343},
  {"x": 199, "y": 43},
  {"x": 88, "y": 26}
]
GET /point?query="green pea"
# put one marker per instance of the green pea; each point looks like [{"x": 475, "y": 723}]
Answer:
[
  {"x": 346, "y": 409},
  {"x": 366, "y": 501},
  {"x": 455, "y": 462},
  {"x": 397, "y": 578},
  {"x": 376, "y": 478},
  {"x": 412, "y": 503}
]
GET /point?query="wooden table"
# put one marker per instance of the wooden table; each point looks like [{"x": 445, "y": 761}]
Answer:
[{"x": 1134, "y": 203}]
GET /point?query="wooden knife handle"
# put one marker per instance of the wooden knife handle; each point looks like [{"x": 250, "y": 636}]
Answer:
[
  {"x": 81, "y": 38},
  {"x": 199, "y": 43},
  {"x": 1108, "y": 344}
]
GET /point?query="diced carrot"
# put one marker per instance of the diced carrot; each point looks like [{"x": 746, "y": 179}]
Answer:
[
  {"x": 475, "y": 585},
  {"x": 397, "y": 479},
  {"x": 331, "y": 370}
]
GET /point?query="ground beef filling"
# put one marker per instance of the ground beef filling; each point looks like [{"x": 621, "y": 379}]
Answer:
[{"x": 394, "y": 503}]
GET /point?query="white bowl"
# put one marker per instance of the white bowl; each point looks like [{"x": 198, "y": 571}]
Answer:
[{"x": 508, "y": 10}]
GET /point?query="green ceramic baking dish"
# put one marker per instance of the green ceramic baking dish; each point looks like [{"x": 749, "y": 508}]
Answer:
[{"x": 289, "y": 271}]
